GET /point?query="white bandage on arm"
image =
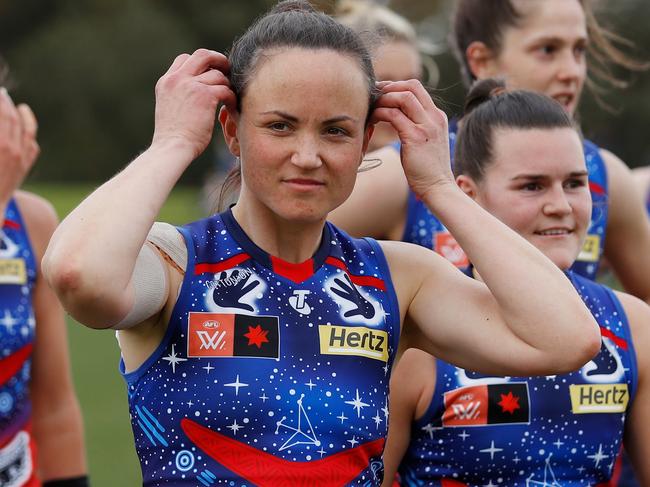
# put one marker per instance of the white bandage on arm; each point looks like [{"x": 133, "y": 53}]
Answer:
[{"x": 150, "y": 278}]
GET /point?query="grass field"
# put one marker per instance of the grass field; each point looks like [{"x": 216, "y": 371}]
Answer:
[{"x": 95, "y": 355}]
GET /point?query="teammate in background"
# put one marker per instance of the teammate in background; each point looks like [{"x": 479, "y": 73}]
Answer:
[
  {"x": 41, "y": 434},
  {"x": 539, "y": 46},
  {"x": 519, "y": 156},
  {"x": 257, "y": 347},
  {"x": 396, "y": 52}
]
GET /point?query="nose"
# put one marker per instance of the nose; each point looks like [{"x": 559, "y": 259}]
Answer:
[
  {"x": 306, "y": 153},
  {"x": 557, "y": 203},
  {"x": 571, "y": 66}
]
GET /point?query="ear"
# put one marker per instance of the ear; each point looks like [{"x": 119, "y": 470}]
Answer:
[
  {"x": 366, "y": 138},
  {"x": 229, "y": 122},
  {"x": 481, "y": 60},
  {"x": 468, "y": 186}
]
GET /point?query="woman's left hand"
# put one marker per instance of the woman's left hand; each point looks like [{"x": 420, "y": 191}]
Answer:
[{"x": 423, "y": 132}]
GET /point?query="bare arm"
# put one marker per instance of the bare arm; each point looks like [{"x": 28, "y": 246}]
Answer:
[
  {"x": 94, "y": 279},
  {"x": 411, "y": 389},
  {"x": 57, "y": 420},
  {"x": 502, "y": 327},
  {"x": 377, "y": 207},
  {"x": 637, "y": 423},
  {"x": 628, "y": 230}
]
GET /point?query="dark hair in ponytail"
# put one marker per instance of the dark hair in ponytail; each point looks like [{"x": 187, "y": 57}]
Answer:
[
  {"x": 489, "y": 106},
  {"x": 291, "y": 23}
]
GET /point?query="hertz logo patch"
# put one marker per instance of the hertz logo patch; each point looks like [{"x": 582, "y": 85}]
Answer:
[
  {"x": 599, "y": 398},
  {"x": 353, "y": 340},
  {"x": 590, "y": 251},
  {"x": 12, "y": 271}
]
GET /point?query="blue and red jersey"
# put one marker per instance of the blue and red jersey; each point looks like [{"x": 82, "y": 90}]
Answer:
[
  {"x": 17, "y": 279},
  {"x": 270, "y": 373},
  {"x": 559, "y": 430},
  {"x": 424, "y": 229}
]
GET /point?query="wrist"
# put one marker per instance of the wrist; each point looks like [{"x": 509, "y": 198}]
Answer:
[{"x": 174, "y": 147}]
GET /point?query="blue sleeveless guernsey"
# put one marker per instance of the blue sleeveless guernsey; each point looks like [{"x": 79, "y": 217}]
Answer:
[
  {"x": 552, "y": 431},
  {"x": 17, "y": 280},
  {"x": 423, "y": 228},
  {"x": 270, "y": 373}
]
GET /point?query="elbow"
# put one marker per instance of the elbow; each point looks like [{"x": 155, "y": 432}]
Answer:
[{"x": 583, "y": 349}]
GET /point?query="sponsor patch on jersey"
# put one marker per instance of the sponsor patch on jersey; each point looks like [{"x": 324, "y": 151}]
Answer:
[
  {"x": 488, "y": 404},
  {"x": 16, "y": 461},
  {"x": 232, "y": 335},
  {"x": 599, "y": 398},
  {"x": 590, "y": 251},
  {"x": 13, "y": 271},
  {"x": 445, "y": 244},
  {"x": 353, "y": 340}
]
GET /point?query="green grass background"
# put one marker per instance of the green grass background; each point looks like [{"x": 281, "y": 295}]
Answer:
[{"x": 95, "y": 355}]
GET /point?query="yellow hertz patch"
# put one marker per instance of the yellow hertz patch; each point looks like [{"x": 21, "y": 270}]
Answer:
[
  {"x": 590, "y": 249},
  {"x": 598, "y": 398},
  {"x": 13, "y": 271},
  {"x": 353, "y": 340}
]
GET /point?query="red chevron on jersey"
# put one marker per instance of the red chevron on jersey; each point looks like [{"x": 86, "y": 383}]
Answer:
[
  {"x": 11, "y": 224},
  {"x": 220, "y": 266},
  {"x": 266, "y": 470},
  {"x": 358, "y": 280},
  {"x": 9, "y": 366},
  {"x": 621, "y": 342}
]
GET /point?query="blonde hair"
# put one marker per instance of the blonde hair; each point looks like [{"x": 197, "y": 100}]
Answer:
[{"x": 368, "y": 17}]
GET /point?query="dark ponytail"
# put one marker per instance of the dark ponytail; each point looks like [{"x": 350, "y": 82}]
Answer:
[{"x": 488, "y": 107}]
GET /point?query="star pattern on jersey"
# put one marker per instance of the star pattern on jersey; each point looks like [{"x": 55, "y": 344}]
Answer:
[
  {"x": 174, "y": 359},
  {"x": 8, "y": 321},
  {"x": 357, "y": 404},
  {"x": 598, "y": 456},
  {"x": 236, "y": 385}
]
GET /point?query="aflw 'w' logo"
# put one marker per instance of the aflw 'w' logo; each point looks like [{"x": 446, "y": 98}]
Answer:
[
  {"x": 468, "y": 411},
  {"x": 214, "y": 341}
]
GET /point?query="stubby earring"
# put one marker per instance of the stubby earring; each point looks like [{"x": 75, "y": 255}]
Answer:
[{"x": 368, "y": 164}]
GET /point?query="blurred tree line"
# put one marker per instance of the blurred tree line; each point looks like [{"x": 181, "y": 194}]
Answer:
[{"x": 88, "y": 69}]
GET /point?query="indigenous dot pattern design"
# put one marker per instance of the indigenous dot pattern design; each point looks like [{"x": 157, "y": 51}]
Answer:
[
  {"x": 423, "y": 228},
  {"x": 270, "y": 373},
  {"x": 530, "y": 431}
]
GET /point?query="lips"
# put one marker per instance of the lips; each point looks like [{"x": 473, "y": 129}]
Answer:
[{"x": 565, "y": 99}]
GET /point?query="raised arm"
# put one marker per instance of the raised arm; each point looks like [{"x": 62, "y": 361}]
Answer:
[
  {"x": 57, "y": 421},
  {"x": 92, "y": 256},
  {"x": 628, "y": 230},
  {"x": 527, "y": 319}
]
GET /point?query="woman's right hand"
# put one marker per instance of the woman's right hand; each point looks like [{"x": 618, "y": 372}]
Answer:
[
  {"x": 18, "y": 146},
  {"x": 187, "y": 97}
]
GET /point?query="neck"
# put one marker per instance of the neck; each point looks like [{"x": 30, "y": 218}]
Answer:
[{"x": 291, "y": 241}]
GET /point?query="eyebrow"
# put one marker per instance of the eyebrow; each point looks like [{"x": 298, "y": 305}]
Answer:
[
  {"x": 557, "y": 40},
  {"x": 534, "y": 177},
  {"x": 292, "y": 118}
]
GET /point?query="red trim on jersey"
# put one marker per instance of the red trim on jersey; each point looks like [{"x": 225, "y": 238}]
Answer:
[
  {"x": 9, "y": 366},
  {"x": 266, "y": 470},
  {"x": 596, "y": 188},
  {"x": 294, "y": 272},
  {"x": 621, "y": 342},
  {"x": 358, "y": 280},
  {"x": 11, "y": 224},
  {"x": 220, "y": 266},
  {"x": 451, "y": 483}
]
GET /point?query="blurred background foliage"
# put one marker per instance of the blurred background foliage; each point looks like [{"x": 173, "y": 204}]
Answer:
[{"x": 88, "y": 69}]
